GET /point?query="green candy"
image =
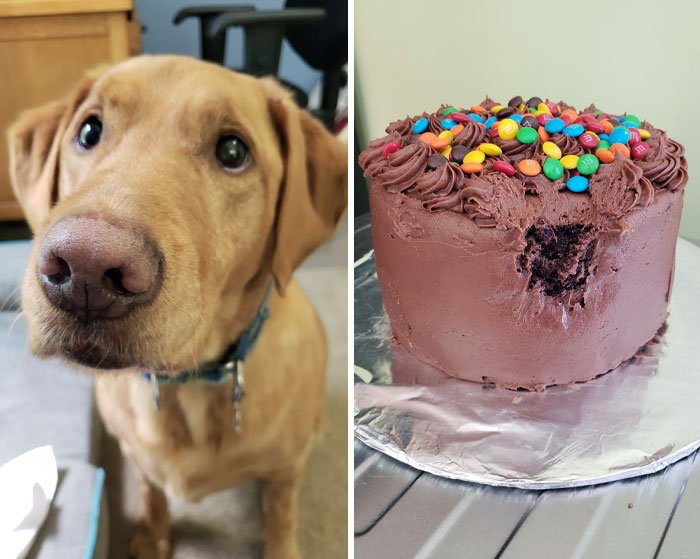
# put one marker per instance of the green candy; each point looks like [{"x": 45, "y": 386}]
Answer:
[
  {"x": 632, "y": 119},
  {"x": 587, "y": 164},
  {"x": 449, "y": 111},
  {"x": 526, "y": 135},
  {"x": 553, "y": 169},
  {"x": 603, "y": 145},
  {"x": 598, "y": 112}
]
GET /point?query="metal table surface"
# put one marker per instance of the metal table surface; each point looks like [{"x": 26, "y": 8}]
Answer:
[{"x": 401, "y": 512}]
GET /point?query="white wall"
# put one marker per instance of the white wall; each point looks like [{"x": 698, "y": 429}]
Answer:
[{"x": 642, "y": 57}]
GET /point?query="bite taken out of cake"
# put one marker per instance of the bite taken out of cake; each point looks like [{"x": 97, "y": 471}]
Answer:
[{"x": 527, "y": 244}]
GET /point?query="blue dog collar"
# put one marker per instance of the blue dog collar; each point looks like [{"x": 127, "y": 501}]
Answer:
[{"x": 230, "y": 365}]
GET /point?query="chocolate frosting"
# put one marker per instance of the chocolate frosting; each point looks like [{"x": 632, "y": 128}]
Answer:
[
  {"x": 472, "y": 135},
  {"x": 492, "y": 199},
  {"x": 619, "y": 187}
]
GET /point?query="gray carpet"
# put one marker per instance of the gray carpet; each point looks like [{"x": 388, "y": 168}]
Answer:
[{"x": 228, "y": 524}]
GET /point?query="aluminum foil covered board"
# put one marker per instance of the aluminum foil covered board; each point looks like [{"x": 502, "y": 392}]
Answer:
[{"x": 635, "y": 420}]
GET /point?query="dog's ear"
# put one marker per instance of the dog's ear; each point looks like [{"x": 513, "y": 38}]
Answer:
[
  {"x": 34, "y": 141},
  {"x": 314, "y": 190}
]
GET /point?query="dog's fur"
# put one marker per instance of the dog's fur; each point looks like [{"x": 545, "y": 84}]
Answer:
[{"x": 223, "y": 237}]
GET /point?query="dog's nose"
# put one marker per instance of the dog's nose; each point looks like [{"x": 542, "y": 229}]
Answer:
[{"x": 96, "y": 269}]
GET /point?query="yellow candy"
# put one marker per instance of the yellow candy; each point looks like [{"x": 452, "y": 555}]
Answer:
[
  {"x": 491, "y": 149},
  {"x": 446, "y": 134},
  {"x": 644, "y": 133},
  {"x": 446, "y": 152},
  {"x": 521, "y": 108},
  {"x": 569, "y": 161},
  {"x": 539, "y": 112},
  {"x": 507, "y": 129},
  {"x": 544, "y": 108},
  {"x": 496, "y": 108},
  {"x": 474, "y": 157},
  {"x": 552, "y": 149}
]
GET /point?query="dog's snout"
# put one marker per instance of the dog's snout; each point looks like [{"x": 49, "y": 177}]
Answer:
[{"x": 93, "y": 268}]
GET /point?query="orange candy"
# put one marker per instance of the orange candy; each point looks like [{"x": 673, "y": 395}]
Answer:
[
  {"x": 427, "y": 137},
  {"x": 529, "y": 167},
  {"x": 457, "y": 129},
  {"x": 472, "y": 167},
  {"x": 622, "y": 148},
  {"x": 607, "y": 126},
  {"x": 543, "y": 134},
  {"x": 570, "y": 113},
  {"x": 440, "y": 143},
  {"x": 605, "y": 155},
  {"x": 477, "y": 109}
]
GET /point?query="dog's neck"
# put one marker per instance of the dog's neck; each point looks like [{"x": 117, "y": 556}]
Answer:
[{"x": 228, "y": 367}]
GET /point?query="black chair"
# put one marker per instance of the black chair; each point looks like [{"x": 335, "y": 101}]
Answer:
[{"x": 316, "y": 30}]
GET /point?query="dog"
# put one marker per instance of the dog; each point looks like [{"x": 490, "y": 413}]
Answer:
[{"x": 171, "y": 201}]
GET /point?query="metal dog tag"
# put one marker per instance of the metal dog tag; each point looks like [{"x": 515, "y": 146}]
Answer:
[{"x": 237, "y": 392}]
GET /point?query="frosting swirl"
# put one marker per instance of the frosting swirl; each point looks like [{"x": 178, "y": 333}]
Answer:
[{"x": 618, "y": 187}]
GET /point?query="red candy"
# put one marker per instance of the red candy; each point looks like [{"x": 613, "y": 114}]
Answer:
[
  {"x": 594, "y": 127},
  {"x": 590, "y": 118},
  {"x": 580, "y": 120},
  {"x": 459, "y": 117},
  {"x": 639, "y": 150},
  {"x": 566, "y": 119},
  {"x": 391, "y": 147},
  {"x": 544, "y": 117},
  {"x": 504, "y": 167},
  {"x": 588, "y": 140},
  {"x": 553, "y": 107},
  {"x": 635, "y": 137},
  {"x": 494, "y": 132}
]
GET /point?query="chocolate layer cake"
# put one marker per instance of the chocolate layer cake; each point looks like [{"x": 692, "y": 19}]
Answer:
[{"x": 525, "y": 245}]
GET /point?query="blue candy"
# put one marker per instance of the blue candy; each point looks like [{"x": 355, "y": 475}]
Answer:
[
  {"x": 631, "y": 125},
  {"x": 516, "y": 118},
  {"x": 604, "y": 137},
  {"x": 554, "y": 125},
  {"x": 622, "y": 119},
  {"x": 489, "y": 122},
  {"x": 573, "y": 130},
  {"x": 448, "y": 123},
  {"x": 619, "y": 135},
  {"x": 577, "y": 183},
  {"x": 476, "y": 118},
  {"x": 420, "y": 126}
]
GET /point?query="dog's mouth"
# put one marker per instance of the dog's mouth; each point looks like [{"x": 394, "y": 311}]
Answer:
[{"x": 90, "y": 355}]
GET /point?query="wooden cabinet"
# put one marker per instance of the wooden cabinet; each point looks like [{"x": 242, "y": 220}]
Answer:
[{"x": 45, "y": 47}]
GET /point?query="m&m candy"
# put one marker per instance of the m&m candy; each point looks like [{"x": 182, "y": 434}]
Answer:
[
  {"x": 552, "y": 168},
  {"x": 577, "y": 183},
  {"x": 587, "y": 164},
  {"x": 619, "y": 135},
  {"x": 507, "y": 129},
  {"x": 526, "y": 135},
  {"x": 420, "y": 126},
  {"x": 390, "y": 148}
]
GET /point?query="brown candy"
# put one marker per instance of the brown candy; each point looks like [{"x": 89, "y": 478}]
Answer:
[
  {"x": 505, "y": 113},
  {"x": 435, "y": 161},
  {"x": 458, "y": 153},
  {"x": 533, "y": 102},
  {"x": 515, "y": 101},
  {"x": 529, "y": 121}
]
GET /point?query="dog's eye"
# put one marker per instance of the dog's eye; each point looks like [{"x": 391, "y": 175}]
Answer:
[
  {"x": 231, "y": 152},
  {"x": 90, "y": 132}
]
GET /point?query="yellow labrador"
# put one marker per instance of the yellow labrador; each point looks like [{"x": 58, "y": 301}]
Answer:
[{"x": 167, "y": 195}]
